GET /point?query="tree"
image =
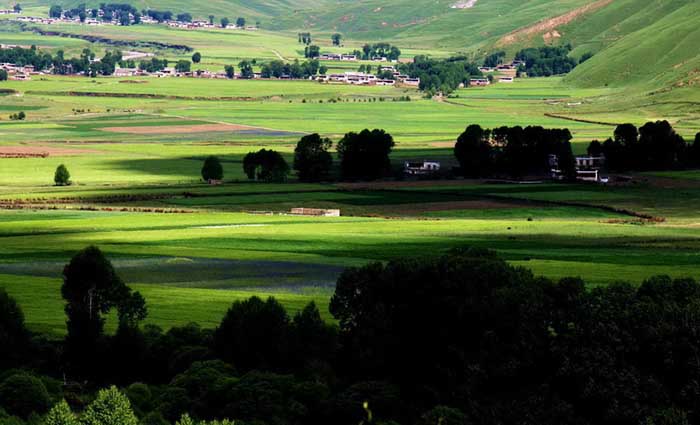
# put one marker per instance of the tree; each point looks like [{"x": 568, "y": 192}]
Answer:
[
  {"x": 443, "y": 415},
  {"x": 13, "y": 332},
  {"x": 312, "y": 51},
  {"x": 197, "y": 57},
  {"x": 312, "y": 160},
  {"x": 61, "y": 176},
  {"x": 3, "y": 75},
  {"x": 266, "y": 165},
  {"x": 254, "y": 334},
  {"x": 22, "y": 394},
  {"x": 184, "y": 17},
  {"x": 365, "y": 155},
  {"x": 183, "y": 66},
  {"x": 224, "y": 22},
  {"x": 109, "y": 408},
  {"x": 474, "y": 152},
  {"x": 230, "y": 71},
  {"x": 240, "y": 22},
  {"x": 336, "y": 39},
  {"x": 61, "y": 414},
  {"x": 55, "y": 11},
  {"x": 17, "y": 8},
  {"x": 91, "y": 288},
  {"x": 211, "y": 19},
  {"x": 246, "y": 70},
  {"x": 212, "y": 169}
]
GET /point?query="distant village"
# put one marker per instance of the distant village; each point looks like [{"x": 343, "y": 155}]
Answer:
[{"x": 117, "y": 14}]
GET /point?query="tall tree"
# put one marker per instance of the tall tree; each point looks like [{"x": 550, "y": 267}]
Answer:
[
  {"x": 312, "y": 160},
  {"x": 212, "y": 169},
  {"x": 91, "y": 288},
  {"x": 474, "y": 152},
  {"x": 365, "y": 155},
  {"x": 266, "y": 165},
  {"x": 336, "y": 39}
]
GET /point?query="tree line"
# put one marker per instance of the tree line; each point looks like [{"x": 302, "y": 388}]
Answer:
[
  {"x": 514, "y": 151},
  {"x": 653, "y": 146},
  {"x": 457, "y": 338},
  {"x": 362, "y": 156}
]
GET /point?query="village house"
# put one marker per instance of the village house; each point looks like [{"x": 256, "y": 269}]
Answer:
[
  {"x": 421, "y": 168},
  {"x": 588, "y": 168},
  {"x": 479, "y": 82},
  {"x": 505, "y": 79}
]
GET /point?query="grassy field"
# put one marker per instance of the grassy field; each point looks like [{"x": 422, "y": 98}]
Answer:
[{"x": 135, "y": 146}]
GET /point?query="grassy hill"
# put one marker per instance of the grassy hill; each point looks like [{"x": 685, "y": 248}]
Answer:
[{"x": 651, "y": 44}]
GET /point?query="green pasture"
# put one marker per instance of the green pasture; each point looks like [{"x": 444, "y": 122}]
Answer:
[{"x": 557, "y": 242}]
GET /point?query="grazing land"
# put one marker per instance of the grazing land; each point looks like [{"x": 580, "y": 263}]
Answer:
[{"x": 135, "y": 146}]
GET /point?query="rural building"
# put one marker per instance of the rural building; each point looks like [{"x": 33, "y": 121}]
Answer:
[
  {"x": 505, "y": 79},
  {"x": 588, "y": 168},
  {"x": 316, "y": 212},
  {"x": 421, "y": 168},
  {"x": 479, "y": 82}
]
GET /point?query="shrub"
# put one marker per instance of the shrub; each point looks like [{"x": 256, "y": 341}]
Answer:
[
  {"x": 22, "y": 394},
  {"x": 61, "y": 414},
  {"x": 111, "y": 407}
]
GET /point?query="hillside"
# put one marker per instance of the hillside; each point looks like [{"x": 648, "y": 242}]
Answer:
[{"x": 639, "y": 42}]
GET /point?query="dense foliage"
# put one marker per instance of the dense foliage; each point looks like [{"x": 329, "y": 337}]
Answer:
[
  {"x": 312, "y": 161},
  {"x": 441, "y": 75},
  {"x": 654, "y": 146},
  {"x": 212, "y": 169},
  {"x": 365, "y": 155},
  {"x": 514, "y": 151},
  {"x": 61, "y": 176},
  {"x": 546, "y": 61},
  {"x": 463, "y": 338},
  {"x": 378, "y": 50},
  {"x": 266, "y": 165}
]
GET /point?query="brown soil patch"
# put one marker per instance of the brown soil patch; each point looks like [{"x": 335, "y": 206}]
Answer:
[
  {"x": 549, "y": 25},
  {"x": 178, "y": 129},
  {"x": 40, "y": 151},
  {"x": 409, "y": 209},
  {"x": 443, "y": 144}
]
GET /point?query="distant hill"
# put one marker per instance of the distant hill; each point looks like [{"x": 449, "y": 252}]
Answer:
[{"x": 650, "y": 43}]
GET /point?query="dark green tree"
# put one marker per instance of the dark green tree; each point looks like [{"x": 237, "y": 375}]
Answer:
[
  {"x": 91, "y": 288},
  {"x": 266, "y": 166},
  {"x": 211, "y": 19},
  {"x": 240, "y": 22},
  {"x": 474, "y": 152},
  {"x": 254, "y": 334},
  {"x": 212, "y": 169},
  {"x": 22, "y": 394},
  {"x": 230, "y": 71},
  {"x": 3, "y": 75},
  {"x": 365, "y": 155},
  {"x": 183, "y": 66},
  {"x": 224, "y": 22},
  {"x": 312, "y": 161},
  {"x": 246, "y": 70},
  {"x": 197, "y": 57},
  {"x": 336, "y": 39},
  {"x": 13, "y": 332},
  {"x": 61, "y": 176},
  {"x": 55, "y": 11}
]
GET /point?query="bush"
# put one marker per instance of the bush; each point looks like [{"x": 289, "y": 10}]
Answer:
[
  {"x": 61, "y": 414},
  {"x": 22, "y": 394},
  {"x": 212, "y": 169},
  {"x": 61, "y": 177}
]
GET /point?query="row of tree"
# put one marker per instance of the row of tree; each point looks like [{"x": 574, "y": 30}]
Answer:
[
  {"x": 363, "y": 156},
  {"x": 514, "y": 151},
  {"x": 463, "y": 338},
  {"x": 546, "y": 60},
  {"x": 653, "y": 146}
]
